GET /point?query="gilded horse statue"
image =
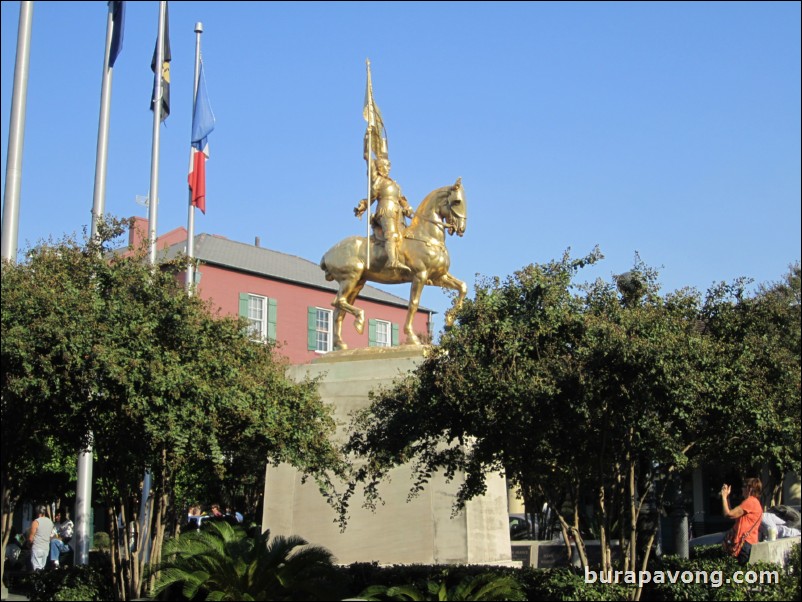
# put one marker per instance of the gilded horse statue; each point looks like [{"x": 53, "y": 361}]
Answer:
[{"x": 422, "y": 250}]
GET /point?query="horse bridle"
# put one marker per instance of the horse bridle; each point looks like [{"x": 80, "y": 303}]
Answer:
[{"x": 442, "y": 224}]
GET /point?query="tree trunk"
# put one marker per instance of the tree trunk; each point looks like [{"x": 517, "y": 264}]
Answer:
[
  {"x": 116, "y": 544},
  {"x": 645, "y": 563},
  {"x": 633, "y": 512},
  {"x": 604, "y": 563},
  {"x": 9, "y": 503},
  {"x": 160, "y": 519}
]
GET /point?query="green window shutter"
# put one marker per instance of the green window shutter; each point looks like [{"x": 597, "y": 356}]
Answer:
[
  {"x": 272, "y": 314},
  {"x": 311, "y": 322},
  {"x": 243, "y": 305},
  {"x": 371, "y": 333},
  {"x": 395, "y": 335}
]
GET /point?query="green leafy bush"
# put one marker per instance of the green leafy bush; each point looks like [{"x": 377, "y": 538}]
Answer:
[
  {"x": 81, "y": 583},
  {"x": 487, "y": 586},
  {"x": 567, "y": 584},
  {"x": 102, "y": 541},
  {"x": 717, "y": 581},
  {"x": 392, "y": 582}
]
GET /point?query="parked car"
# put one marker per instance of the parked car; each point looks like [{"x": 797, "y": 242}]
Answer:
[{"x": 520, "y": 527}]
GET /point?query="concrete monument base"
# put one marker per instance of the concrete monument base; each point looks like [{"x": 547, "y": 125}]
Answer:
[{"x": 398, "y": 532}]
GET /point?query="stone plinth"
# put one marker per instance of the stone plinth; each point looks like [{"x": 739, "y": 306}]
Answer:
[{"x": 419, "y": 531}]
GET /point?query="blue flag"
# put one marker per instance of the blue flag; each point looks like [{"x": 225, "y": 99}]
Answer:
[{"x": 202, "y": 117}]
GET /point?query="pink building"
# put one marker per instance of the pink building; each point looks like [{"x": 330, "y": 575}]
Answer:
[{"x": 285, "y": 298}]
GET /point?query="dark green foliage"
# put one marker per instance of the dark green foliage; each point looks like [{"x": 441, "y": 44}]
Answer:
[
  {"x": 101, "y": 541},
  {"x": 591, "y": 397},
  {"x": 757, "y": 383},
  {"x": 464, "y": 582},
  {"x": 90, "y": 583},
  {"x": 98, "y": 341},
  {"x": 222, "y": 562},
  {"x": 720, "y": 573},
  {"x": 568, "y": 584},
  {"x": 486, "y": 586}
]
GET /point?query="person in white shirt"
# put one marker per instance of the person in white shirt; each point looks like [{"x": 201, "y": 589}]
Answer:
[{"x": 61, "y": 536}]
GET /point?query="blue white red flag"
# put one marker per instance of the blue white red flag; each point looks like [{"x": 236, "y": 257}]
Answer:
[{"x": 202, "y": 126}]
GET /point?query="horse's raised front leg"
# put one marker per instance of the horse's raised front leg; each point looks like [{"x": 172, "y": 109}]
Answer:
[
  {"x": 415, "y": 291},
  {"x": 449, "y": 281},
  {"x": 359, "y": 323},
  {"x": 341, "y": 304}
]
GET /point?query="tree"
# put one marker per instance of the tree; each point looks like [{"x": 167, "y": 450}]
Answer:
[
  {"x": 43, "y": 387},
  {"x": 500, "y": 393},
  {"x": 758, "y": 415},
  {"x": 587, "y": 396},
  {"x": 98, "y": 342}
]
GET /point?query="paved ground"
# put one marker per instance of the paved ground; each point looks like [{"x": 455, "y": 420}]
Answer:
[{"x": 8, "y": 596}]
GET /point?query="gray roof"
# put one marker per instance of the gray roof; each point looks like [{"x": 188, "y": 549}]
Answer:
[{"x": 223, "y": 252}]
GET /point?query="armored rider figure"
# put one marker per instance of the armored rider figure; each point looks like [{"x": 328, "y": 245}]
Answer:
[{"x": 391, "y": 208}]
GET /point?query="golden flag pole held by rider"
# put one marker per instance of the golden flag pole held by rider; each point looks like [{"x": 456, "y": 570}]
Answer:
[
  {"x": 373, "y": 116},
  {"x": 369, "y": 109}
]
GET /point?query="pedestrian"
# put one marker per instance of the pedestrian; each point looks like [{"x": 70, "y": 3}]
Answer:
[
  {"x": 39, "y": 538},
  {"x": 62, "y": 534},
  {"x": 744, "y": 533}
]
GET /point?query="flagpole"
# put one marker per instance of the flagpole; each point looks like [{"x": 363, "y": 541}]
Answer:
[
  {"x": 370, "y": 151},
  {"x": 83, "y": 487},
  {"x": 153, "y": 202},
  {"x": 191, "y": 210},
  {"x": 101, "y": 156},
  {"x": 16, "y": 135},
  {"x": 153, "y": 197}
]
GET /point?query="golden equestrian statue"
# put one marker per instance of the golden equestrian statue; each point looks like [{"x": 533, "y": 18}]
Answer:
[{"x": 395, "y": 253}]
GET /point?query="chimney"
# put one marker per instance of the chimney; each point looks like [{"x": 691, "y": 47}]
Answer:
[
  {"x": 138, "y": 232},
  {"x": 257, "y": 242}
]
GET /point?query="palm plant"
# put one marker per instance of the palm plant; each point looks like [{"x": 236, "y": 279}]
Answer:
[
  {"x": 480, "y": 587},
  {"x": 223, "y": 562}
]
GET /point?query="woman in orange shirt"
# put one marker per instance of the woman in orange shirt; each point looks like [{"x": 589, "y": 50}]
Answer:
[{"x": 747, "y": 514}]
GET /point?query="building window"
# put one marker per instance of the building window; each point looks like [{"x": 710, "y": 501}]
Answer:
[
  {"x": 382, "y": 334},
  {"x": 261, "y": 315},
  {"x": 320, "y": 326},
  {"x": 257, "y": 316}
]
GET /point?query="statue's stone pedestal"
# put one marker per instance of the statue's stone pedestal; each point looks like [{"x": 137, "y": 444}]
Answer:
[{"x": 419, "y": 531}]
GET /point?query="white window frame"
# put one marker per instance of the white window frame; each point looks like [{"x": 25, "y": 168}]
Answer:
[
  {"x": 325, "y": 333},
  {"x": 385, "y": 338},
  {"x": 257, "y": 327}
]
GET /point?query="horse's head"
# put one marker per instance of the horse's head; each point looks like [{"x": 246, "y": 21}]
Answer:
[{"x": 454, "y": 210}]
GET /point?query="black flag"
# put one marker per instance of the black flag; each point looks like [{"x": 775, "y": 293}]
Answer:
[{"x": 165, "y": 70}]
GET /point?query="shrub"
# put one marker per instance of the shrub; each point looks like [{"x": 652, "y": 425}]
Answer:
[
  {"x": 102, "y": 541},
  {"x": 715, "y": 580},
  {"x": 84, "y": 583},
  {"x": 486, "y": 586},
  {"x": 567, "y": 583}
]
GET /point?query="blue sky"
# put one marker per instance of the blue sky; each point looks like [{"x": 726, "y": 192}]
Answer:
[{"x": 671, "y": 130}]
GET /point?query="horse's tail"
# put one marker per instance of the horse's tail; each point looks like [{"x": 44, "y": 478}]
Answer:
[{"x": 325, "y": 269}]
